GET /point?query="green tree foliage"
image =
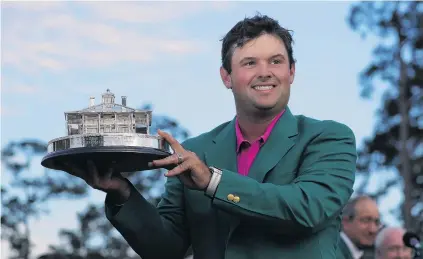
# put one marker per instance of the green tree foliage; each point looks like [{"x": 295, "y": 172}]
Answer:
[
  {"x": 397, "y": 64},
  {"x": 26, "y": 197}
]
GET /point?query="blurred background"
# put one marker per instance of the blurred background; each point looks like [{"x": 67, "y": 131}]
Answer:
[{"x": 359, "y": 63}]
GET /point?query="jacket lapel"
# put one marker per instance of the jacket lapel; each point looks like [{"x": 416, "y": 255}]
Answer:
[
  {"x": 343, "y": 249},
  {"x": 222, "y": 153},
  {"x": 277, "y": 145}
]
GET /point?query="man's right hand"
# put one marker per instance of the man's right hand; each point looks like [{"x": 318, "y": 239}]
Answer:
[{"x": 115, "y": 185}]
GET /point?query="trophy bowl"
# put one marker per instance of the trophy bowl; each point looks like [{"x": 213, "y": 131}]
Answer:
[{"x": 108, "y": 134}]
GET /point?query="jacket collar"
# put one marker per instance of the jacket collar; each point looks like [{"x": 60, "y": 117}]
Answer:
[{"x": 222, "y": 154}]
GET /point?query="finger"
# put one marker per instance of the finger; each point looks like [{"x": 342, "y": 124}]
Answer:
[
  {"x": 174, "y": 144},
  {"x": 101, "y": 183},
  {"x": 186, "y": 180},
  {"x": 185, "y": 166},
  {"x": 172, "y": 159},
  {"x": 72, "y": 169},
  {"x": 93, "y": 172},
  {"x": 109, "y": 173}
]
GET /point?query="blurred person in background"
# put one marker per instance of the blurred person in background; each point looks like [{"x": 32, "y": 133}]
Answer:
[
  {"x": 360, "y": 225},
  {"x": 389, "y": 244}
]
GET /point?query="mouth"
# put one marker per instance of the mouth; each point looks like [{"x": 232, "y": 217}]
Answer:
[{"x": 263, "y": 87}]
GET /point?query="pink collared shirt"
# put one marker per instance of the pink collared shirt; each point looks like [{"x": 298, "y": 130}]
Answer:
[{"x": 246, "y": 151}]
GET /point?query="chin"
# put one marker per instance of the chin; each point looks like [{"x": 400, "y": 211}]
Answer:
[
  {"x": 266, "y": 105},
  {"x": 367, "y": 244}
]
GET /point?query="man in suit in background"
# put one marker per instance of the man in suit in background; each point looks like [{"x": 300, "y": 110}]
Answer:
[
  {"x": 360, "y": 224},
  {"x": 389, "y": 244},
  {"x": 266, "y": 184}
]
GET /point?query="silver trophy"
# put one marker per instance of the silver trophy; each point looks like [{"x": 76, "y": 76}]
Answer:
[{"x": 110, "y": 135}]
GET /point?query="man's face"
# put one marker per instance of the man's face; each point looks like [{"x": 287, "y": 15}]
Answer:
[
  {"x": 393, "y": 247},
  {"x": 362, "y": 229},
  {"x": 261, "y": 76}
]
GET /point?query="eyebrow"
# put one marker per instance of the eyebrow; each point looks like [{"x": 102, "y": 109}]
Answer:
[{"x": 272, "y": 57}]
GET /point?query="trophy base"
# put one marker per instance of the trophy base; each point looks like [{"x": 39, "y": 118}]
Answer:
[{"x": 120, "y": 158}]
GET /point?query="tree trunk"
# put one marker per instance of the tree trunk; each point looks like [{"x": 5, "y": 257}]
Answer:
[
  {"x": 27, "y": 245},
  {"x": 405, "y": 167}
]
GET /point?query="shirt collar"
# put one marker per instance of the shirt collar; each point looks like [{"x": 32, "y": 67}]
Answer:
[
  {"x": 240, "y": 138},
  {"x": 355, "y": 252}
]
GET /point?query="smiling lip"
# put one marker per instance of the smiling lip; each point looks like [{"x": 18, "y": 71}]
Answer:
[{"x": 264, "y": 87}]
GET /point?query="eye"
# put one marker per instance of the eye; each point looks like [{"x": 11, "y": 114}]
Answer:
[
  {"x": 277, "y": 61},
  {"x": 249, "y": 63}
]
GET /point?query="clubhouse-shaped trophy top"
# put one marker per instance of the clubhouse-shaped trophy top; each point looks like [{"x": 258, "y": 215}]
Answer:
[{"x": 108, "y": 117}]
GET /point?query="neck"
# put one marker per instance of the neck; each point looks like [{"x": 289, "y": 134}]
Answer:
[{"x": 254, "y": 125}]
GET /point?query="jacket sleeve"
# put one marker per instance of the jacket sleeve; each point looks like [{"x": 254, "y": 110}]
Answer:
[
  {"x": 322, "y": 188},
  {"x": 153, "y": 232}
]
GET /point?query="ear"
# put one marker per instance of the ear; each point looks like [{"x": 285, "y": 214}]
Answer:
[
  {"x": 226, "y": 78},
  {"x": 292, "y": 73}
]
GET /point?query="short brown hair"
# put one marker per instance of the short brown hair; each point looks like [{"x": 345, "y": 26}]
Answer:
[{"x": 251, "y": 28}]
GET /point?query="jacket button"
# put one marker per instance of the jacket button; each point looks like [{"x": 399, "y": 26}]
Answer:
[
  {"x": 231, "y": 197},
  {"x": 236, "y": 199}
]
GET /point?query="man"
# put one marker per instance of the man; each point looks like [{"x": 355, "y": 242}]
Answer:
[
  {"x": 360, "y": 224},
  {"x": 389, "y": 244},
  {"x": 266, "y": 184}
]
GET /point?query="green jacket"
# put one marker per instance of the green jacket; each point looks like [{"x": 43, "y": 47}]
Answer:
[
  {"x": 343, "y": 251},
  {"x": 289, "y": 206}
]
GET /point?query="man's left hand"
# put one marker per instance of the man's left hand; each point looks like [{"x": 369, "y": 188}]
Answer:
[{"x": 189, "y": 168}]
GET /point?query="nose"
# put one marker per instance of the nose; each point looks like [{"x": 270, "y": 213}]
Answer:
[
  {"x": 264, "y": 71},
  {"x": 401, "y": 253},
  {"x": 405, "y": 254},
  {"x": 374, "y": 227}
]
